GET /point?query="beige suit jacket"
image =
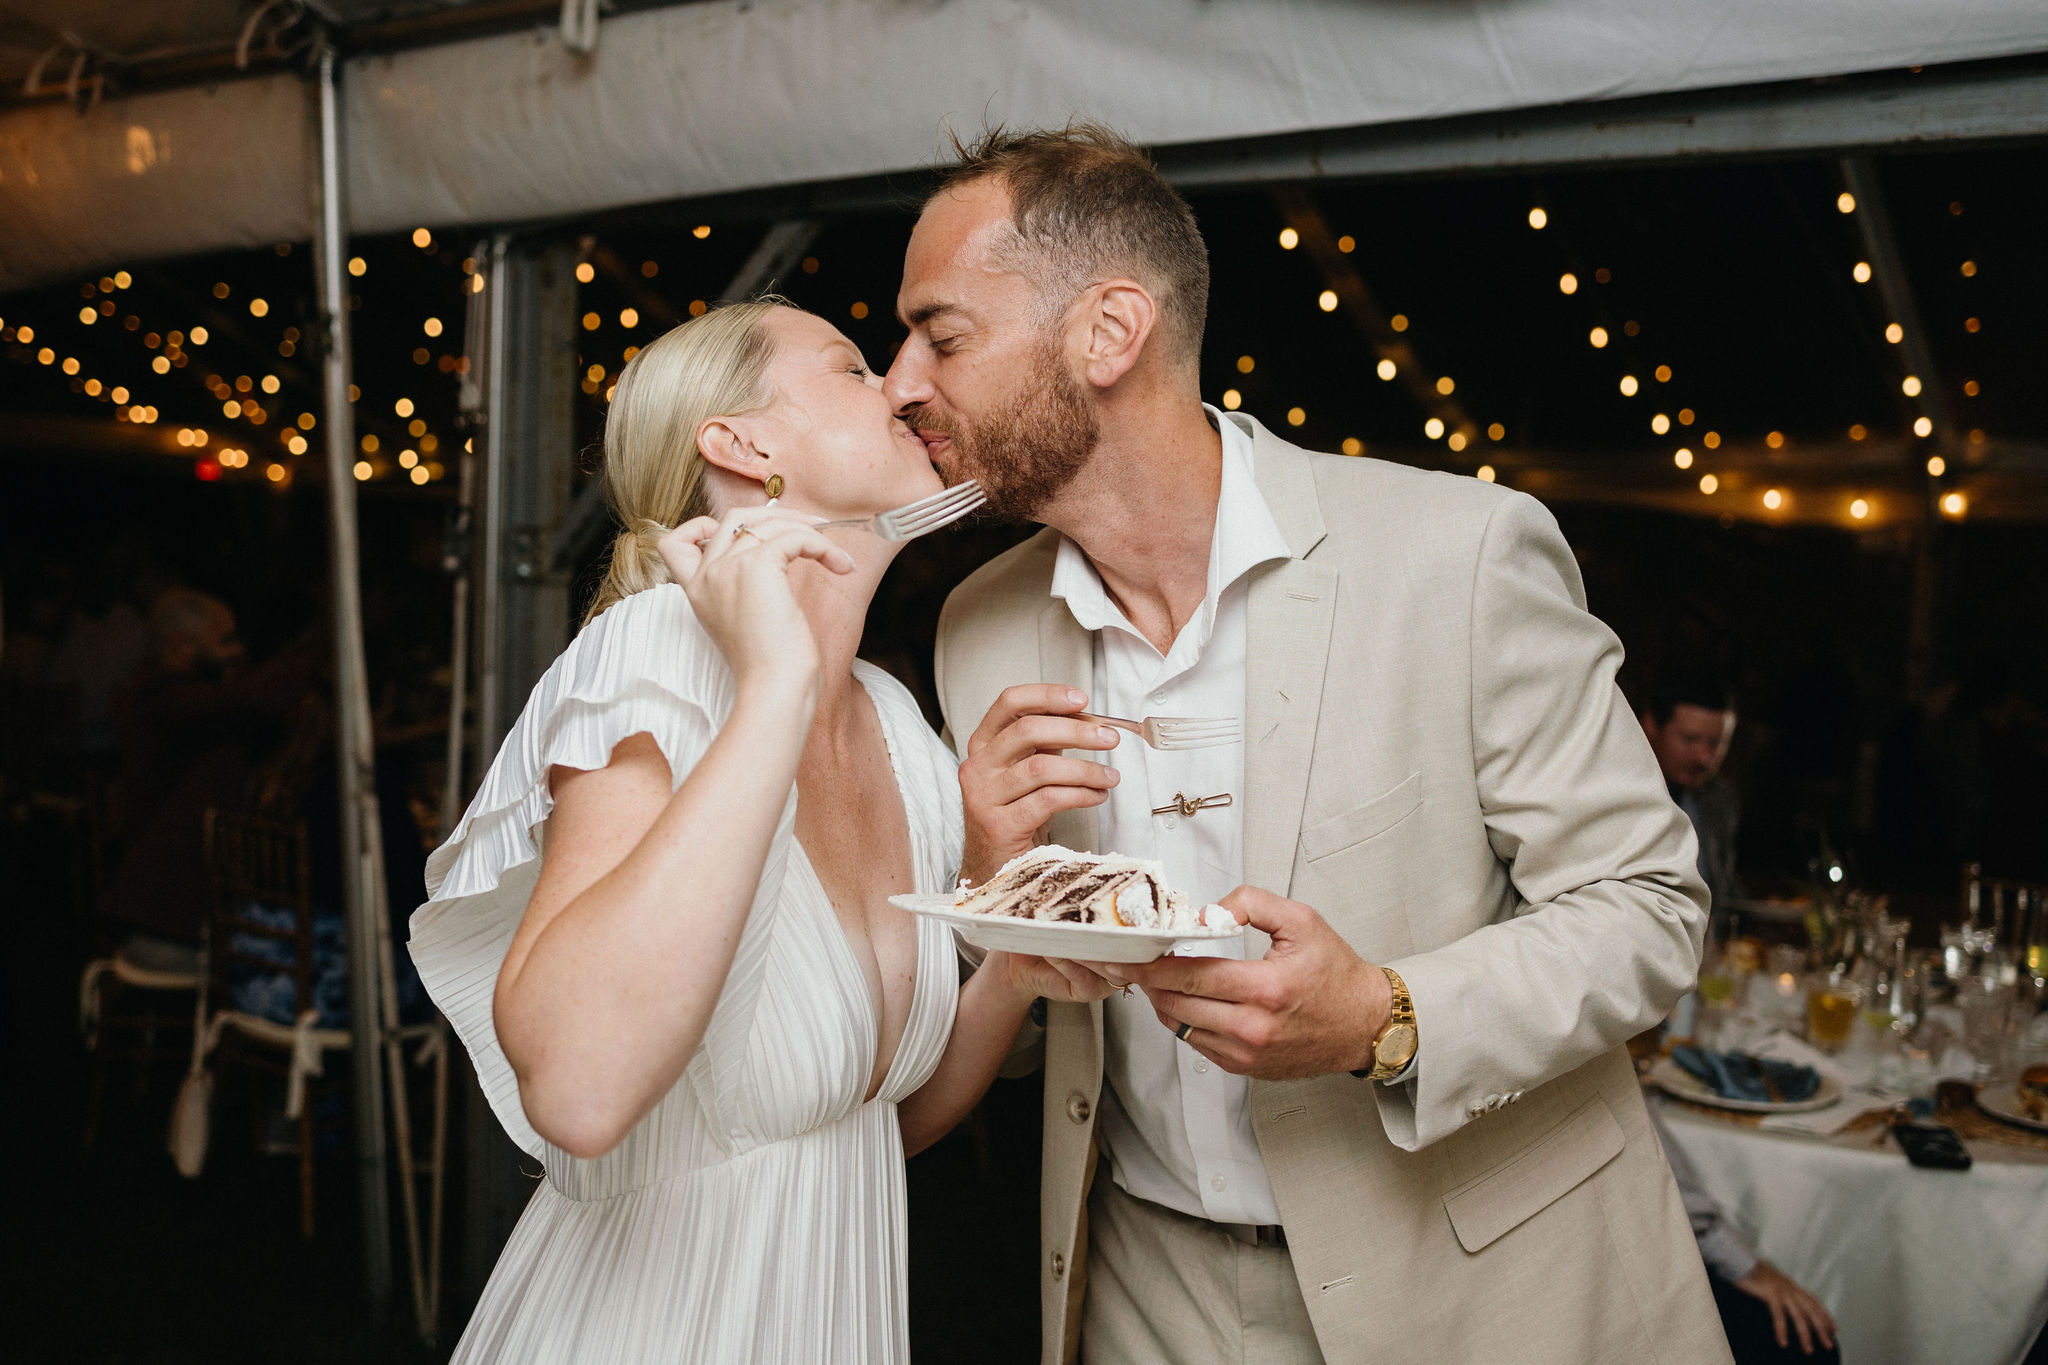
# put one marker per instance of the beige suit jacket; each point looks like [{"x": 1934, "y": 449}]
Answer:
[{"x": 1439, "y": 762}]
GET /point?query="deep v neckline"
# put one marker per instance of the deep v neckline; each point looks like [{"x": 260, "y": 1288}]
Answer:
[{"x": 843, "y": 945}]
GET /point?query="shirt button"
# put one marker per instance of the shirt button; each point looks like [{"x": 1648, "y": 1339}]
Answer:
[
  {"x": 1157, "y": 698},
  {"x": 1059, "y": 1265},
  {"x": 1201, "y": 1064},
  {"x": 1077, "y": 1107},
  {"x": 1171, "y": 822},
  {"x": 1217, "y": 1184}
]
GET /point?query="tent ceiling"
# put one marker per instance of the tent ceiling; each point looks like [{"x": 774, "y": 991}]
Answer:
[{"x": 693, "y": 100}]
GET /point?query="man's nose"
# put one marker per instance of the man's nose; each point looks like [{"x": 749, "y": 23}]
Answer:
[{"x": 906, "y": 385}]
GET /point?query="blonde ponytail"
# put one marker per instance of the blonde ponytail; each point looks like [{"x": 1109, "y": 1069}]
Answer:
[{"x": 715, "y": 365}]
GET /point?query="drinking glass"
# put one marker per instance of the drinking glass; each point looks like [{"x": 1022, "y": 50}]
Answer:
[
  {"x": 1985, "y": 999},
  {"x": 1832, "y": 1004}
]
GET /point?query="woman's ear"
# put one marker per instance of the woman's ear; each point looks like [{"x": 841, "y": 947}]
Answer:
[{"x": 725, "y": 445}]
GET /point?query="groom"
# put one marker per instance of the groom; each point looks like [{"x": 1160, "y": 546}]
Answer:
[{"x": 1402, "y": 1128}]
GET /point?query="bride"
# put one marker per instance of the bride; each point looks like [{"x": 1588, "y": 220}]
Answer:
[{"x": 662, "y": 928}]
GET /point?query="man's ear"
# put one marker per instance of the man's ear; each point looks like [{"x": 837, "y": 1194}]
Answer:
[
  {"x": 724, "y": 443},
  {"x": 1118, "y": 316}
]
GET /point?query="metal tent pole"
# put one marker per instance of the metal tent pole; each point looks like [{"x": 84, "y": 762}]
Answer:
[{"x": 361, "y": 840}]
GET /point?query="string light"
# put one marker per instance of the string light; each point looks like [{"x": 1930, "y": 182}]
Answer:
[
  {"x": 1660, "y": 424},
  {"x": 1894, "y": 333},
  {"x": 1296, "y": 416},
  {"x": 1663, "y": 374},
  {"x": 1232, "y": 400},
  {"x": 363, "y": 471},
  {"x": 1859, "y": 509},
  {"x": 1955, "y": 504},
  {"x": 1910, "y": 386},
  {"x": 1245, "y": 364},
  {"x": 198, "y": 337},
  {"x": 403, "y": 407},
  {"x": 258, "y": 308},
  {"x": 1485, "y": 473},
  {"x": 1857, "y": 431},
  {"x": 701, "y": 231},
  {"x": 1347, "y": 245},
  {"x": 1682, "y": 458},
  {"x": 1537, "y": 218},
  {"x": 1386, "y": 369},
  {"x": 1289, "y": 238},
  {"x": 1433, "y": 428},
  {"x": 1628, "y": 386},
  {"x": 1773, "y": 499},
  {"x": 1567, "y": 283},
  {"x": 1446, "y": 385},
  {"x": 422, "y": 238},
  {"x": 432, "y": 327},
  {"x": 1936, "y": 466},
  {"x": 1327, "y": 300},
  {"x": 1774, "y": 439},
  {"x": 1969, "y": 269},
  {"x": 1598, "y": 336},
  {"x": 1353, "y": 446},
  {"x": 1456, "y": 441},
  {"x": 1923, "y": 426},
  {"x": 1846, "y": 202},
  {"x": 1861, "y": 272},
  {"x": 1496, "y": 432},
  {"x": 1399, "y": 322},
  {"x": 419, "y": 474},
  {"x": 591, "y": 322},
  {"x": 1708, "y": 484},
  {"x": 859, "y": 310},
  {"x": 585, "y": 272},
  {"x": 357, "y": 266}
]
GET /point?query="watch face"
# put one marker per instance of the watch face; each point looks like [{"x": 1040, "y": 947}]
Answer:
[{"x": 1396, "y": 1048}]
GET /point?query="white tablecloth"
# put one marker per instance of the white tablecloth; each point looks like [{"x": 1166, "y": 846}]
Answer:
[{"x": 1919, "y": 1267}]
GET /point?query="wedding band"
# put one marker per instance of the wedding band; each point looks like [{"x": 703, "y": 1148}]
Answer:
[
  {"x": 1183, "y": 1031},
  {"x": 745, "y": 530}
]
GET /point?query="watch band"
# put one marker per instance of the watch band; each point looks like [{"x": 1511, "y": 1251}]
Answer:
[{"x": 1400, "y": 1016}]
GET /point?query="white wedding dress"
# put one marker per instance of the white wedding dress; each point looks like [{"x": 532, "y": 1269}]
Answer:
[{"x": 757, "y": 1213}]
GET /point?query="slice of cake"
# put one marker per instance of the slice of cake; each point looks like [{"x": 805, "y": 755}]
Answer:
[{"x": 1055, "y": 883}]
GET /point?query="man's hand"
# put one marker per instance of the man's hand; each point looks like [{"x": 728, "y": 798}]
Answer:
[
  {"x": 1016, "y": 778},
  {"x": 1310, "y": 1007},
  {"x": 1789, "y": 1304}
]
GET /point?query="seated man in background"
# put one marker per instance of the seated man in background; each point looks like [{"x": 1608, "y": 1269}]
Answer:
[
  {"x": 1762, "y": 1308},
  {"x": 190, "y": 721},
  {"x": 1690, "y": 721}
]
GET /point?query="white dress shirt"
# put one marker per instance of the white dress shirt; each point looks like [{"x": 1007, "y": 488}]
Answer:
[{"x": 1177, "y": 1129}]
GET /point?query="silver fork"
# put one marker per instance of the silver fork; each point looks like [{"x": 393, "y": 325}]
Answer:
[
  {"x": 914, "y": 519},
  {"x": 1177, "y": 732}
]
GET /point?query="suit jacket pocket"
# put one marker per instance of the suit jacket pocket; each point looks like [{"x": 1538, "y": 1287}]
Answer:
[
  {"x": 1488, "y": 1207},
  {"x": 1355, "y": 826}
]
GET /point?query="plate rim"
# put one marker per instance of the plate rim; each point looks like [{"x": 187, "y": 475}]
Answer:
[
  {"x": 2018, "y": 1120},
  {"x": 1662, "y": 1074},
  {"x": 937, "y": 906}
]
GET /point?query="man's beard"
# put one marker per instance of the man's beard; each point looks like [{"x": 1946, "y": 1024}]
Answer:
[{"x": 1030, "y": 446}]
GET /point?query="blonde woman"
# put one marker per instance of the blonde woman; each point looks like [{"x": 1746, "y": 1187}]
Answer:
[{"x": 662, "y": 928}]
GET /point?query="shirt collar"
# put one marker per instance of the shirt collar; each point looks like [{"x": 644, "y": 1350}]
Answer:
[{"x": 1245, "y": 537}]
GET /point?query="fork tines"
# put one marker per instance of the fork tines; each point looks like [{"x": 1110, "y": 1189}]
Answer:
[{"x": 931, "y": 512}]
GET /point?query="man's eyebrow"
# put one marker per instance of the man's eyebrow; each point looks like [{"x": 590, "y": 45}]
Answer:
[{"x": 924, "y": 313}]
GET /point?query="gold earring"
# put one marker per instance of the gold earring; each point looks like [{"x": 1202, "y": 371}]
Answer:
[{"x": 774, "y": 486}]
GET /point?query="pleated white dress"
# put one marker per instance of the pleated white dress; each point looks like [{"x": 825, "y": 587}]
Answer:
[{"x": 757, "y": 1214}]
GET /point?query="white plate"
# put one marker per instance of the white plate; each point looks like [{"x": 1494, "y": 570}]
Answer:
[
  {"x": 1674, "y": 1079},
  {"x": 2004, "y": 1103},
  {"x": 1051, "y": 938}
]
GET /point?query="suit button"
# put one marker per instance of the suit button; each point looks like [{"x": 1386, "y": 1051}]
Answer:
[
  {"x": 1059, "y": 1265},
  {"x": 1473, "y": 1111},
  {"x": 1077, "y": 1107}
]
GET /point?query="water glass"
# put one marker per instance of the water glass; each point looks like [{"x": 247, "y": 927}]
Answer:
[
  {"x": 1833, "y": 1002},
  {"x": 1985, "y": 999}
]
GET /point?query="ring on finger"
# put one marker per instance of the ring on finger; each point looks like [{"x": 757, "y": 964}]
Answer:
[
  {"x": 1183, "y": 1031},
  {"x": 745, "y": 530}
]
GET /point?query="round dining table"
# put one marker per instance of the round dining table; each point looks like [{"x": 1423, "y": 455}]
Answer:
[{"x": 1918, "y": 1266}]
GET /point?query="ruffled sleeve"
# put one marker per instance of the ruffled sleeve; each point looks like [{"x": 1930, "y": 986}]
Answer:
[{"x": 644, "y": 666}]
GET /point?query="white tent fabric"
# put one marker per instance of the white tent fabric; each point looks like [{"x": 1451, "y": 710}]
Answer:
[{"x": 732, "y": 95}]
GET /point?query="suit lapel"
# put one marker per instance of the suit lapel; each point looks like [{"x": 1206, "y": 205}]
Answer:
[
  {"x": 1066, "y": 654},
  {"x": 1290, "y": 610}
]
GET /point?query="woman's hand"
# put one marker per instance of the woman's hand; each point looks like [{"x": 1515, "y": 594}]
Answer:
[
  {"x": 738, "y": 585},
  {"x": 1056, "y": 979}
]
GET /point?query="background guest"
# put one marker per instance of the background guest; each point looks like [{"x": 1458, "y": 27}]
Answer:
[{"x": 1690, "y": 721}]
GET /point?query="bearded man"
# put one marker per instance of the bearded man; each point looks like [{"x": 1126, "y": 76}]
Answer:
[{"x": 1399, "y": 1125}]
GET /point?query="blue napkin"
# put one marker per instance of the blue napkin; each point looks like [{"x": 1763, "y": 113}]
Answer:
[{"x": 1741, "y": 1076}]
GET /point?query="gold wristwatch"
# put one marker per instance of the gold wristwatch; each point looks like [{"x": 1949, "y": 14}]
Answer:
[{"x": 1394, "y": 1048}]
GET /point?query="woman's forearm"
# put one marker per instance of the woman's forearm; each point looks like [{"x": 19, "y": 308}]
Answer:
[
  {"x": 991, "y": 1010},
  {"x": 602, "y": 1013}
]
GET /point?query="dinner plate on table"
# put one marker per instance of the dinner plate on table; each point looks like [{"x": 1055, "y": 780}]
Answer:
[
  {"x": 1055, "y": 938},
  {"x": 1675, "y": 1080},
  {"x": 2003, "y": 1103}
]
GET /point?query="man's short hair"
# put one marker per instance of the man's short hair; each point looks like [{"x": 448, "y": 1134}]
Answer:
[
  {"x": 1703, "y": 690},
  {"x": 1088, "y": 205}
]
